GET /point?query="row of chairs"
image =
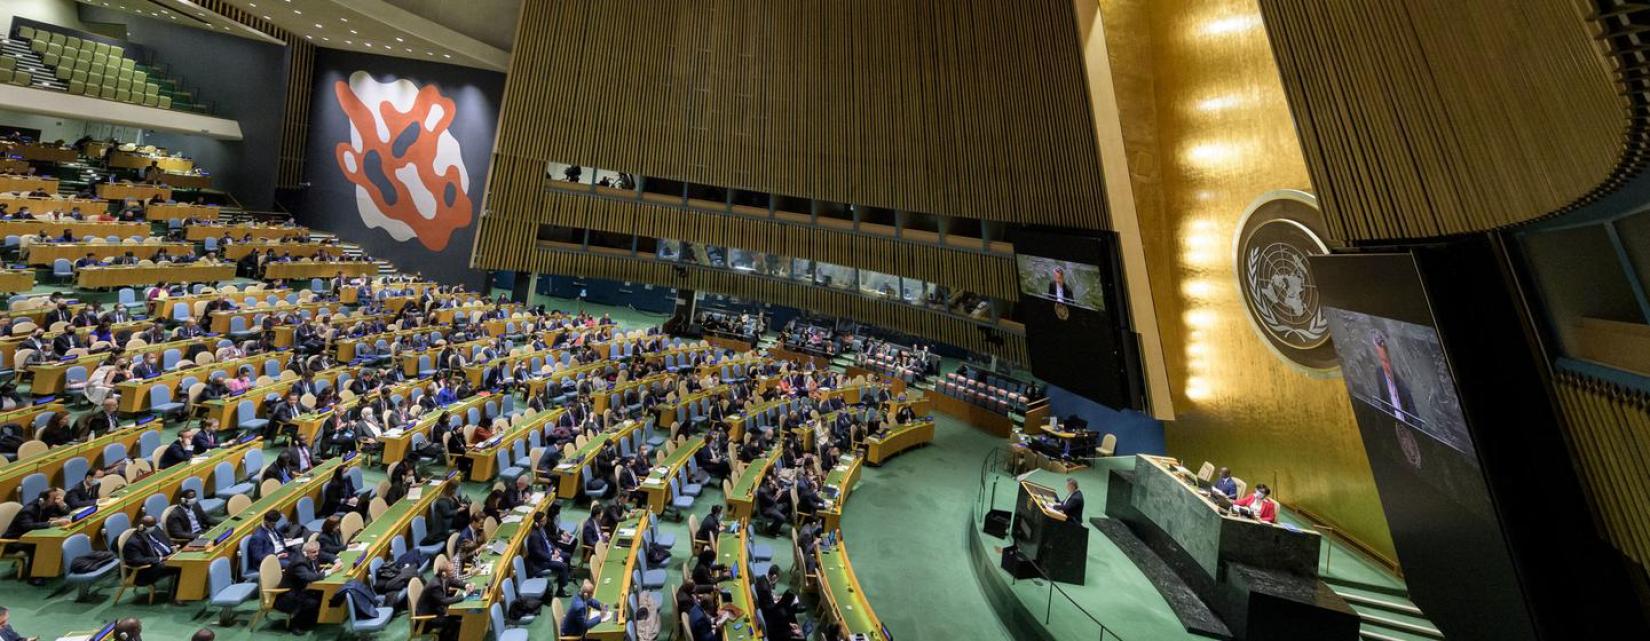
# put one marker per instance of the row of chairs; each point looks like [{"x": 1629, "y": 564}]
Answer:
[
  {"x": 10, "y": 74},
  {"x": 997, "y": 399}
]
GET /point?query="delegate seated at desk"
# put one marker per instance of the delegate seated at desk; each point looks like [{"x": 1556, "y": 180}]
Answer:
[
  {"x": 1072, "y": 506},
  {"x": 584, "y": 613},
  {"x": 1258, "y": 505},
  {"x": 1225, "y": 484}
]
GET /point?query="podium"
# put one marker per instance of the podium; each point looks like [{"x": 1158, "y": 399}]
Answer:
[{"x": 1045, "y": 537}]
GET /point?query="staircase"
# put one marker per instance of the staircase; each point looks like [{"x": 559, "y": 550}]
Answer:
[
  {"x": 1385, "y": 616},
  {"x": 41, "y": 76},
  {"x": 352, "y": 250}
]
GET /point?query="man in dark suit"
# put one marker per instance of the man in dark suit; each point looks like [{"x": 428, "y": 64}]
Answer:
[
  {"x": 46, "y": 510},
  {"x": 584, "y": 613},
  {"x": 8, "y": 634},
  {"x": 187, "y": 520},
  {"x": 303, "y": 604},
  {"x": 106, "y": 420},
  {"x": 84, "y": 493},
  {"x": 267, "y": 540},
  {"x": 591, "y": 532},
  {"x": 339, "y": 495},
  {"x": 206, "y": 438},
  {"x": 1389, "y": 387},
  {"x": 180, "y": 451},
  {"x": 545, "y": 558},
  {"x": 443, "y": 591},
  {"x": 147, "y": 550},
  {"x": 1059, "y": 290},
  {"x": 149, "y": 367},
  {"x": 1072, "y": 507},
  {"x": 301, "y": 456},
  {"x": 284, "y": 415},
  {"x": 443, "y": 514}
]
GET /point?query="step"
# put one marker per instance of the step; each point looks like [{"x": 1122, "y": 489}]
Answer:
[
  {"x": 1373, "y": 632},
  {"x": 1378, "y": 600},
  {"x": 1398, "y": 621}
]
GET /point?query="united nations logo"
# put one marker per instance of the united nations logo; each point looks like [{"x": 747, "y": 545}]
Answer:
[
  {"x": 1062, "y": 312},
  {"x": 1274, "y": 239}
]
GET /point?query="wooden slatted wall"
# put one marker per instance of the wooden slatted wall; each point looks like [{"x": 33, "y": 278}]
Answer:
[
  {"x": 978, "y": 272},
  {"x": 972, "y": 110},
  {"x": 1609, "y": 428},
  {"x": 300, "y": 73},
  {"x": 1422, "y": 118}
]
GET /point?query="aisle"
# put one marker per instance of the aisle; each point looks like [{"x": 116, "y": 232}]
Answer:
[{"x": 905, "y": 530}]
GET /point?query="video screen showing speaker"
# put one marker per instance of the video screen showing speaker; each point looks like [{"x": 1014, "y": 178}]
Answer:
[
  {"x": 1420, "y": 443},
  {"x": 1075, "y": 330}
]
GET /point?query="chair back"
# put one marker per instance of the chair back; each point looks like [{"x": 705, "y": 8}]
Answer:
[
  {"x": 109, "y": 485},
  {"x": 350, "y": 525},
  {"x": 8, "y": 513},
  {"x": 269, "y": 579},
  {"x": 377, "y": 507},
  {"x": 30, "y": 449},
  {"x": 239, "y": 503},
  {"x": 269, "y": 486}
]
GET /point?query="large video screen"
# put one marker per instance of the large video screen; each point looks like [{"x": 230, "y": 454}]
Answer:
[
  {"x": 1075, "y": 331},
  {"x": 1061, "y": 281},
  {"x": 1399, "y": 368}
]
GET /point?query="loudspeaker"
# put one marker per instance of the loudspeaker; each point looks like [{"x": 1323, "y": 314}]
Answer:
[{"x": 996, "y": 523}]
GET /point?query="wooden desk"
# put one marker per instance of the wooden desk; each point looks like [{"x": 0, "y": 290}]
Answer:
[
  {"x": 898, "y": 439},
  {"x": 484, "y": 459},
  {"x": 306, "y": 269},
  {"x": 122, "y": 191},
  {"x": 657, "y": 484},
  {"x": 48, "y": 542},
  {"x": 976, "y": 415},
  {"x": 571, "y": 470},
  {"x": 159, "y": 213},
  {"x": 49, "y": 153},
  {"x": 81, "y": 229},
  {"x": 92, "y": 277},
  {"x": 742, "y": 502},
  {"x": 44, "y": 254},
  {"x": 186, "y": 181},
  {"x": 51, "y": 463},
  {"x": 613, "y": 576},
  {"x": 39, "y": 207},
  {"x": 14, "y": 281},
  {"x": 268, "y": 232},
  {"x": 843, "y": 597},
  {"x": 309, "y": 423},
  {"x": 351, "y": 294},
  {"x": 140, "y": 160},
  {"x": 27, "y": 183},
  {"x": 225, "y": 409},
  {"x": 732, "y": 551},
  {"x": 397, "y": 441},
  {"x": 50, "y": 378},
  {"x": 162, "y": 307},
  {"x": 297, "y": 249},
  {"x": 24, "y": 417},
  {"x": 194, "y": 563},
  {"x": 372, "y": 542},
  {"x": 134, "y": 394},
  {"x": 843, "y": 476},
  {"x": 219, "y": 323},
  {"x": 491, "y": 567}
]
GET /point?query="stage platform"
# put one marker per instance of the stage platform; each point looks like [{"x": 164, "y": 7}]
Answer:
[{"x": 1129, "y": 591}]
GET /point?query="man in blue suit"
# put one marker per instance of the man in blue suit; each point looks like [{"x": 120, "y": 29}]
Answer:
[
  {"x": 584, "y": 613},
  {"x": 267, "y": 540},
  {"x": 543, "y": 557}
]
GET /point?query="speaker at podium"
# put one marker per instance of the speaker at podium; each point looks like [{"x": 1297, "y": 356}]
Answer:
[{"x": 1045, "y": 537}]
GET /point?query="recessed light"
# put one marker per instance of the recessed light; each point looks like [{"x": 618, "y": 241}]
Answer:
[
  {"x": 319, "y": 27},
  {"x": 349, "y": 42},
  {"x": 446, "y": 55},
  {"x": 352, "y": 31},
  {"x": 326, "y": 38},
  {"x": 369, "y": 45},
  {"x": 398, "y": 39},
  {"x": 310, "y": 37}
]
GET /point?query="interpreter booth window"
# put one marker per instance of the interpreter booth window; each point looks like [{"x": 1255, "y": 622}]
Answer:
[
  {"x": 834, "y": 276},
  {"x": 802, "y": 269},
  {"x": 745, "y": 260},
  {"x": 915, "y": 291},
  {"x": 563, "y": 172},
  {"x": 670, "y": 249},
  {"x": 878, "y": 284}
]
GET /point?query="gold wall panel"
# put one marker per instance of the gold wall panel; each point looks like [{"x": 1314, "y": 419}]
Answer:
[
  {"x": 1609, "y": 432},
  {"x": 1207, "y": 129},
  {"x": 973, "y": 109},
  {"x": 1423, "y": 118}
]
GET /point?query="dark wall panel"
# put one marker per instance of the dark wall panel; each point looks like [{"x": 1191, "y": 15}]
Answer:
[
  {"x": 243, "y": 79},
  {"x": 398, "y": 189}
]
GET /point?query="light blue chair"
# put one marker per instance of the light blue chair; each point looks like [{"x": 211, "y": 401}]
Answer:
[
  {"x": 507, "y": 472},
  {"x": 211, "y": 504},
  {"x": 180, "y": 312},
  {"x": 32, "y": 486},
  {"x": 63, "y": 269},
  {"x": 530, "y": 587},
  {"x": 305, "y": 512},
  {"x": 160, "y": 401},
  {"x": 502, "y": 632},
  {"x": 421, "y": 529},
  {"x": 115, "y": 452},
  {"x": 114, "y": 526},
  {"x": 148, "y": 442},
  {"x": 170, "y": 358},
  {"x": 223, "y": 478},
  {"x": 74, "y": 470},
  {"x": 507, "y": 588},
  {"x": 76, "y": 546},
  {"x": 361, "y": 627},
  {"x": 247, "y": 420},
  {"x": 155, "y": 505},
  {"x": 225, "y": 593}
]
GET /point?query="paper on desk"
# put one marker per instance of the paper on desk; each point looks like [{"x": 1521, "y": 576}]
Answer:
[
  {"x": 393, "y": 432},
  {"x": 292, "y": 542},
  {"x": 627, "y": 533}
]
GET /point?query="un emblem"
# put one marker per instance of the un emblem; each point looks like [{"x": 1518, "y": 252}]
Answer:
[{"x": 1276, "y": 235}]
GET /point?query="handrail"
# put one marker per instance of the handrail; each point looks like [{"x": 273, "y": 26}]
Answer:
[{"x": 990, "y": 469}]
